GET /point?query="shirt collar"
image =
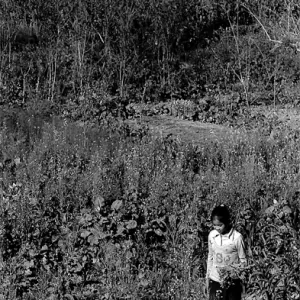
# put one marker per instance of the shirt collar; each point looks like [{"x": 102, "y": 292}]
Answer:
[{"x": 229, "y": 234}]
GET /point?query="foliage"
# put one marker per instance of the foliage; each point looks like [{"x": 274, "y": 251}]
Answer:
[
  {"x": 274, "y": 256},
  {"x": 53, "y": 54},
  {"x": 94, "y": 209},
  {"x": 88, "y": 213}
]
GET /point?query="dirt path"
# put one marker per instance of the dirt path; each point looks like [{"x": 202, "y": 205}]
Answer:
[
  {"x": 186, "y": 131},
  {"x": 200, "y": 133}
]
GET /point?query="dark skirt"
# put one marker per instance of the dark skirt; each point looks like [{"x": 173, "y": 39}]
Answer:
[{"x": 233, "y": 292}]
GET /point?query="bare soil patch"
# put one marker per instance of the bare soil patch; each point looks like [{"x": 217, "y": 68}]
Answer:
[
  {"x": 186, "y": 131},
  {"x": 200, "y": 133}
]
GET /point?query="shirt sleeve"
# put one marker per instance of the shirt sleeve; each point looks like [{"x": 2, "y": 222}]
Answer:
[
  {"x": 210, "y": 257},
  {"x": 241, "y": 250}
]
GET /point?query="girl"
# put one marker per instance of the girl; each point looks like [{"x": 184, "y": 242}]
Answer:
[{"x": 225, "y": 248}]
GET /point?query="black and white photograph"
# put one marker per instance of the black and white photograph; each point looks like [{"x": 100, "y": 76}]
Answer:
[{"x": 149, "y": 150}]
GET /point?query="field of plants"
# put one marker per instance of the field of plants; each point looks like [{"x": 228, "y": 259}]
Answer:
[
  {"x": 96, "y": 205},
  {"x": 119, "y": 214}
]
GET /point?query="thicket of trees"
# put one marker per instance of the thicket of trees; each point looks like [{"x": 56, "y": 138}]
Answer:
[{"x": 53, "y": 52}]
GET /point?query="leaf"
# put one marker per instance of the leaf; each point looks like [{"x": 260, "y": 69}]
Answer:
[
  {"x": 99, "y": 203},
  {"x": 131, "y": 224},
  {"x": 33, "y": 201},
  {"x": 85, "y": 234},
  {"x": 44, "y": 248},
  {"x": 144, "y": 282},
  {"x": 129, "y": 255},
  {"x": 17, "y": 160},
  {"x": 102, "y": 235},
  {"x": 286, "y": 210},
  {"x": 95, "y": 230},
  {"x": 55, "y": 238},
  {"x": 32, "y": 253},
  {"x": 93, "y": 240},
  {"x": 270, "y": 210},
  {"x": 274, "y": 271},
  {"x": 104, "y": 220},
  {"x": 120, "y": 230},
  {"x": 28, "y": 272},
  {"x": 158, "y": 232},
  {"x": 85, "y": 218},
  {"x": 98, "y": 233},
  {"x": 88, "y": 217},
  {"x": 28, "y": 264},
  {"x": 116, "y": 205}
]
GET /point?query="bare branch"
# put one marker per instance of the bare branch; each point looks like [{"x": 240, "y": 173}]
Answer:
[
  {"x": 263, "y": 27},
  {"x": 295, "y": 45}
]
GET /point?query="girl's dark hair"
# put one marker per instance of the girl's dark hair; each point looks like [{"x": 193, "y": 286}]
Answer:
[{"x": 222, "y": 213}]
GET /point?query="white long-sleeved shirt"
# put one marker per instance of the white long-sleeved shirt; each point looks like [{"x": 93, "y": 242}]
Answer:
[{"x": 224, "y": 250}]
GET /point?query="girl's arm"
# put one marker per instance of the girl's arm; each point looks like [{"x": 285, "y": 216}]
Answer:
[
  {"x": 209, "y": 258},
  {"x": 241, "y": 251}
]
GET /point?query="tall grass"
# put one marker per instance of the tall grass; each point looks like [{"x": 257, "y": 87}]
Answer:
[{"x": 92, "y": 213}]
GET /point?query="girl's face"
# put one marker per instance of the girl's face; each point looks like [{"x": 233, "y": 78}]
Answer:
[{"x": 219, "y": 226}]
